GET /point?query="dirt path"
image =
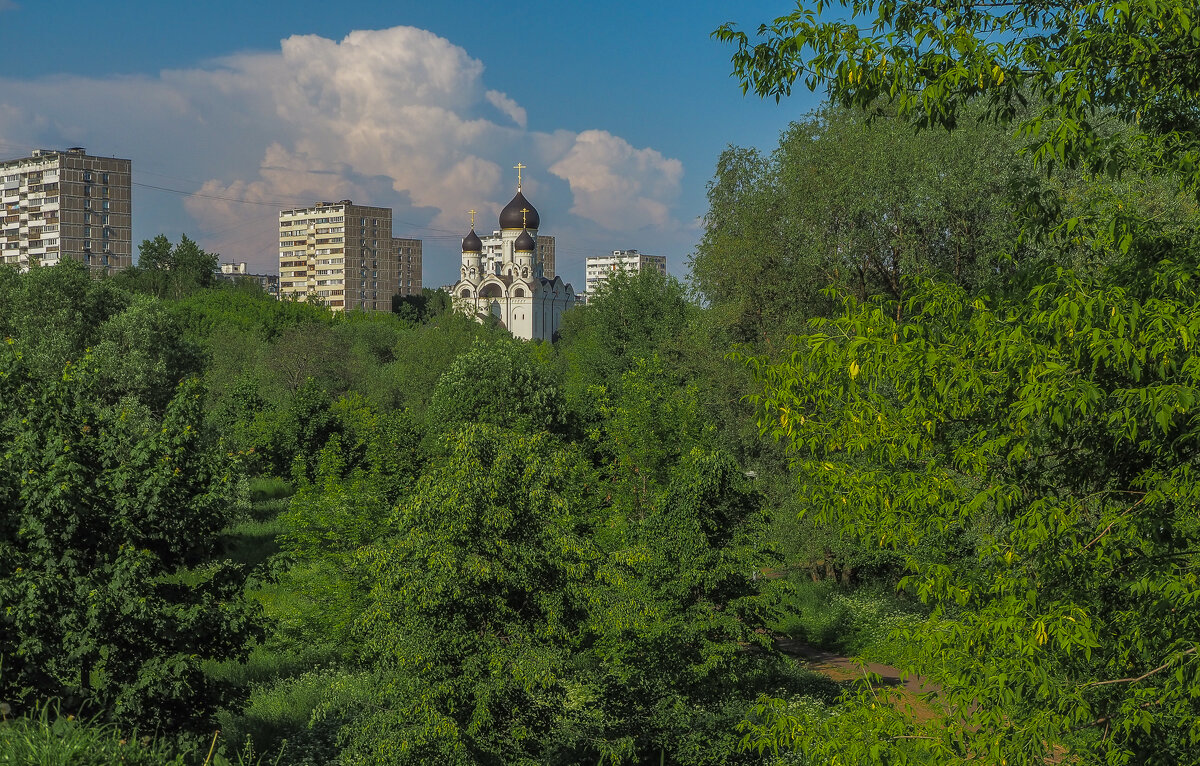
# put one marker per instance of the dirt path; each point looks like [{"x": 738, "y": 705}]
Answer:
[{"x": 842, "y": 668}]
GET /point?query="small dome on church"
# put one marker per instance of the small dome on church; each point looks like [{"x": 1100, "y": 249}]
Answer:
[
  {"x": 512, "y": 218},
  {"x": 524, "y": 243},
  {"x": 472, "y": 243}
]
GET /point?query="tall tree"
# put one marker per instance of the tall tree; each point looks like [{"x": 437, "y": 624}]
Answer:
[
  {"x": 101, "y": 508},
  {"x": 859, "y": 202},
  {"x": 505, "y": 382},
  {"x": 167, "y": 271},
  {"x": 1035, "y": 463},
  {"x": 1053, "y": 71}
]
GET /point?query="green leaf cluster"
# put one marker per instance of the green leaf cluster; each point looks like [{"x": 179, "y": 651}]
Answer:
[{"x": 1035, "y": 461}]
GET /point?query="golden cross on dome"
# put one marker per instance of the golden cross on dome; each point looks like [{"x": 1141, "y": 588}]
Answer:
[
  {"x": 519, "y": 167},
  {"x": 472, "y": 212},
  {"x": 524, "y": 211}
]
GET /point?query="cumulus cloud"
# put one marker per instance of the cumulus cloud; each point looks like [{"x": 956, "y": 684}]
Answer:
[
  {"x": 616, "y": 185},
  {"x": 395, "y": 116},
  {"x": 509, "y": 107}
]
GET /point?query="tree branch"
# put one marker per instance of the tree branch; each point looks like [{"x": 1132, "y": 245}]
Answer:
[
  {"x": 1128, "y": 511},
  {"x": 1143, "y": 676}
]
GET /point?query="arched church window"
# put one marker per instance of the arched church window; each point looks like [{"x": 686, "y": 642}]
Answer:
[
  {"x": 519, "y": 293},
  {"x": 466, "y": 293}
]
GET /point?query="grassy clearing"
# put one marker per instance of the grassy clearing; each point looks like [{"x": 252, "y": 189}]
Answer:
[
  {"x": 266, "y": 488},
  {"x": 298, "y": 718},
  {"x": 855, "y": 621},
  {"x": 285, "y": 679},
  {"x": 254, "y": 539}
]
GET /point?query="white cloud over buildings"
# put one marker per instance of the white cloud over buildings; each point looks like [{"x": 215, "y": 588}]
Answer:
[
  {"x": 327, "y": 119},
  {"x": 617, "y": 185}
]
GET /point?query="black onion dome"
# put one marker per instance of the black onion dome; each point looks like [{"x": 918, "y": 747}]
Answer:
[
  {"x": 524, "y": 243},
  {"x": 472, "y": 243},
  {"x": 511, "y": 216}
]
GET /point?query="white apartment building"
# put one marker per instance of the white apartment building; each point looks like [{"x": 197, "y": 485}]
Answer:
[
  {"x": 66, "y": 204},
  {"x": 344, "y": 255},
  {"x": 493, "y": 252},
  {"x": 598, "y": 268}
]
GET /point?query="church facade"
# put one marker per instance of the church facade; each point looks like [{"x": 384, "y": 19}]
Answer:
[{"x": 511, "y": 285}]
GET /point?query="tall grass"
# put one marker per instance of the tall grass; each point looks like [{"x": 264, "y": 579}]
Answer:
[
  {"x": 45, "y": 737},
  {"x": 267, "y": 488},
  {"x": 284, "y": 717},
  {"x": 252, "y": 540}
]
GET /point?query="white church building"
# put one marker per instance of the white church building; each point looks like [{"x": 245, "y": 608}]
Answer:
[{"x": 512, "y": 286}]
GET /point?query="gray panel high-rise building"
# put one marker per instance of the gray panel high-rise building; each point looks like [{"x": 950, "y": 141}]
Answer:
[
  {"x": 345, "y": 255},
  {"x": 66, "y": 204}
]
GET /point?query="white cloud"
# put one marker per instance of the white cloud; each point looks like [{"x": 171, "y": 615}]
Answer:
[
  {"x": 617, "y": 185},
  {"x": 397, "y": 117},
  {"x": 509, "y": 107}
]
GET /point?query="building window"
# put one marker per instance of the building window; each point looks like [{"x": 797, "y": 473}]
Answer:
[
  {"x": 87, "y": 176},
  {"x": 87, "y": 217},
  {"x": 87, "y": 231},
  {"x": 105, "y": 204},
  {"x": 104, "y": 178},
  {"x": 87, "y": 204},
  {"x": 87, "y": 191}
]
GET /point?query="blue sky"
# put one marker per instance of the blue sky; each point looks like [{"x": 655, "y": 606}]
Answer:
[{"x": 619, "y": 109}]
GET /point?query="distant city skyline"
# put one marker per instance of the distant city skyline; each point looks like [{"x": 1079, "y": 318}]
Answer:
[{"x": 231, "y": 112}]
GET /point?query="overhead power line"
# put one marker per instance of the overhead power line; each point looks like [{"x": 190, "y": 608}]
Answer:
[
  {"x": 279, "y": 205},
  {"x": 264, "y": 203}
]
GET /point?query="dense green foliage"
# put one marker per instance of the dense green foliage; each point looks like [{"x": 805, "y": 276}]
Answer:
[
  {"x": 957, "y": 433},
  {"x": 1029, "y": 447},
  {"x": 496, "y": 551},
  {"x": 111, "y": 487}
]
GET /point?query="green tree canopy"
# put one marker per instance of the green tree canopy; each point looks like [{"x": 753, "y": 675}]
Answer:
[
  {"x": 1055, "y": 71},
  {"x": 55, "y": 313},
  {"x": 857, "y": 202},
  {"x": 167, "y": 271},
  {"x": 100, "y": 509},
  {"x": 634, "y": 314},
  {"x": 1030, "y": 451},
  {"x": 504, "y": 382},
  {"x": 1035, "y": 461}
]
